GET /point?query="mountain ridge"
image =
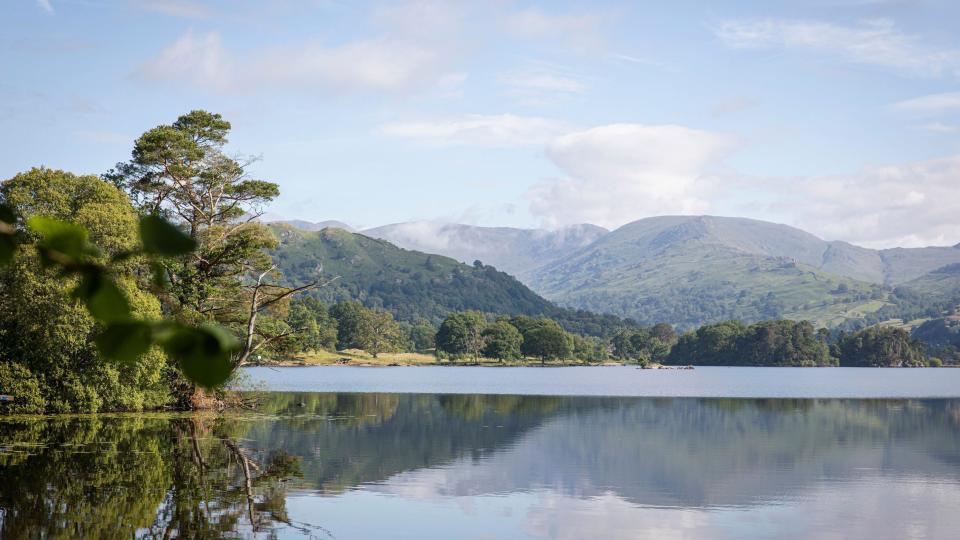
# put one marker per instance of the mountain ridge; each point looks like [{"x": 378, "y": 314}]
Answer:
[
  {"x": 510, "y": 249},
  {"x": 689, "y": 270}
]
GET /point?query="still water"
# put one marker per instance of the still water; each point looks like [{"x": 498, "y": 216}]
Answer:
[
  {"x": 752, "y": 382},
  {"x": 424, "y": 466}
]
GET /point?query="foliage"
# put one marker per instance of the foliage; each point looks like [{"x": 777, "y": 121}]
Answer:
[
  {"x": 146, "y": 476},
  {"x": 938, "y": 332},
  {"x": 315, "y": 328},
  {"x": 374, "y": 331},
  {"x": 93, "y": 259},
  {"x": 382, "y": 333},
  {"x": 181, "y": 171},
  {"x": 502, "y": 341},
  {"x": 461, "y": 334},
  {"x": 18, "y": 381},
  {"x": 644, "y": 345},
  {"x": 546, "y": 339},
  {"x": 769, "y": 343},
  {"x": 421, "y": 336},
  {"x": 589, "y": 348},
  {"x": 413, "y": 286},
  {"x": 349, "y": 316},
  {"x": 879, "y": 346}
]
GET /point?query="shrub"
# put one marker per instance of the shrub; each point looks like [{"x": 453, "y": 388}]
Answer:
[{"x": 17, "y": 381}]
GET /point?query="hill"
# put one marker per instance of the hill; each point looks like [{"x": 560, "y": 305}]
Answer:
[
  {"x": 410, "y": 284},
  {"x": 509, "y": 249},
  {"x": 313, "y": 225},
  {"x": 940, "y": 285},
  {"x": 689, "y": 270}
]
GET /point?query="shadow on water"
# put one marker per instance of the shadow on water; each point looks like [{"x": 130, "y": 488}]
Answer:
[{"x": 163, "y": 476}]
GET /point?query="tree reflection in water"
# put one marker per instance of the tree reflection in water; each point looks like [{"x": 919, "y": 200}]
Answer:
[
  {"x": 148, "y": 476},
  {"x": 233, "y": 475}
]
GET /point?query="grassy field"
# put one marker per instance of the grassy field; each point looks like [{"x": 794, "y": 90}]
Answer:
[{"x": 355, "y": 357}]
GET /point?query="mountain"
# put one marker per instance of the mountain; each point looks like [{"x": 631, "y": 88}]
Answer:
[
  {"x": 686, "y": 270},
  {"x": 508, "y": 249},
  {"x": 941, "y": 285},
  {"x": 410, "y": 284},
  {"x": 314, "y": 225},
  {"x": 689, "y": 270}
]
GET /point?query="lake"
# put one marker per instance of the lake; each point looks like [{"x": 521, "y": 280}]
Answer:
[
  {"x": 459, "y": 464},
  {"x": 620, "y": 381}
]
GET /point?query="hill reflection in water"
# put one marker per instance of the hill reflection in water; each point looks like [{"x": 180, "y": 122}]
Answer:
[{"x": 439, "y": 466}]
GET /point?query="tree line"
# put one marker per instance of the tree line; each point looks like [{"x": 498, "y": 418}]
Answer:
[{"x": 472, "y": 335}]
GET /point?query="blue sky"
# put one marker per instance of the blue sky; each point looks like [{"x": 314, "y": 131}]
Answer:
[{"x": 838, "y": 116}]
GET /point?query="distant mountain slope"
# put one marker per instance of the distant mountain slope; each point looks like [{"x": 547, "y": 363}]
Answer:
[
  {"x": 689, "y": 270},
  {"x": 905, "y": 264},
  {"x": 509, "y": 249},
  {"x": 408, "y": 283},
  {"x": 940, "y": 285},
  {"x": 314, "y": 225}
]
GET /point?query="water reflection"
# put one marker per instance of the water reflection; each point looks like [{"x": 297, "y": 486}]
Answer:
[{"x": 428, "y": 466}]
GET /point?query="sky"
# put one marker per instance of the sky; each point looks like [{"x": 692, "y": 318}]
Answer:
[{"x": 841, "y": 117}]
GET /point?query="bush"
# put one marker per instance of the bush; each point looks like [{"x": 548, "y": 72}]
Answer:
[{"x": 17, "y": 381}]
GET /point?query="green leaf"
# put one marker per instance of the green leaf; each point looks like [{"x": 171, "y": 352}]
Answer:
[
  {"x": 159, "y": 237},
  {"x": 159, "y": 274},
  {"x": 61, "y": 242},
  {"x": 8, "y": 219},
  {"x": 103, "y": 298},
  {"x": 203, "y": 353},
  {"x": 124, "y": 342}
]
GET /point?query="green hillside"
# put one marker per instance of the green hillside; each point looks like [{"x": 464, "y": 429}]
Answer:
[
  {"x": 940, "y": 285},
  {"x": 693, "y": 270},
  {"x": 411, "y": 284}
]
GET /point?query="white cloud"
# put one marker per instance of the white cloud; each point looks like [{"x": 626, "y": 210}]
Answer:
[
  {"x": 45, "y": 5},
  {"x": 875, "y": 42},
  {"x": 178, "y": 8},
  {"x": 619, "y": 173},
  {"x": 541, "y": 84},
  {"x": 377, "y": 64},
  {"x": 930, "y": 103},
  {"x": 907, "y": 205},
  {"x": 503, "y": 130},
  {"x": 622, "y": 172},
  {"x": 541, "y": 81}
]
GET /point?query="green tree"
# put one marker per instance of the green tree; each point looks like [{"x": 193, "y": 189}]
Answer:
[
  {"x": 422, "y": 336},
  {"x": 880, "y": 346},
  {"x": 314, "y": 328},
  {"x": 547, "y": 340},
  {"x": 374, "y": 331},
  {"x": 47, "y": 338},
  {"x": 665, "y": 333},
  {"x": 589, "y": 348},
  {"x": 181, "y": 171},
  {"x": 381, "y": 333},
  {"x": 502, "y": 341},
  {"x": 769, "y": 343},
  {"x": 350, "y": 316},
  {"x": 461, "y": 334}
]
